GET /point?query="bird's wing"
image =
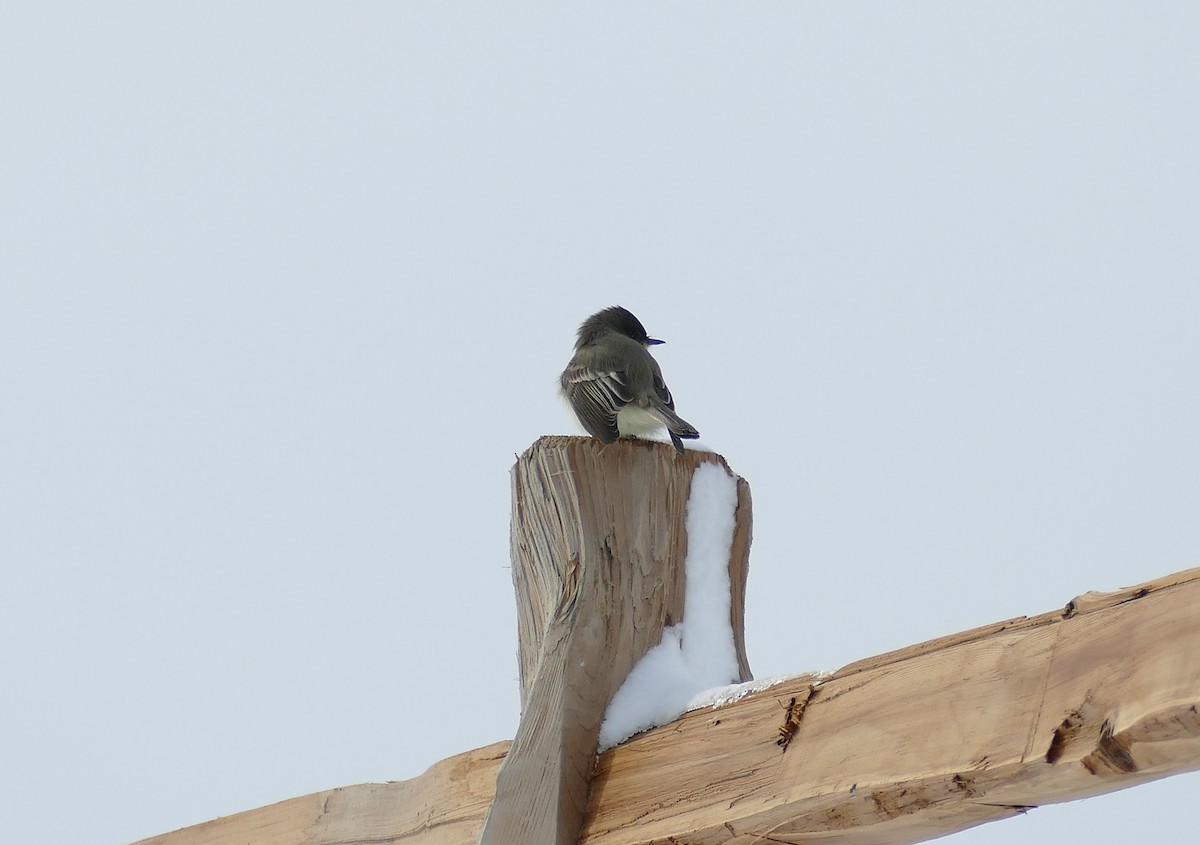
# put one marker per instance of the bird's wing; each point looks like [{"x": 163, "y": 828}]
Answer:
[
  {"x": 596, "y": 395},
  {"x": 660, "y": 388},
  {"x": 676, "y": 425}
]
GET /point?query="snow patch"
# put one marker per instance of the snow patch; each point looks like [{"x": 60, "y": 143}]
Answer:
[
  {"x": 697, "y": 654},
  {"x": 720, "y": 696}
]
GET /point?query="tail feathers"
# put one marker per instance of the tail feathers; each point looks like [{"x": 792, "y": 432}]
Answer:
[
  {"x": 676, "y": 441},
  {"x": 675, "y": 423}
]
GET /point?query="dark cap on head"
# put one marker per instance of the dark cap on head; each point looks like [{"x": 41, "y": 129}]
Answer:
[{"x": 614, "y": 319}]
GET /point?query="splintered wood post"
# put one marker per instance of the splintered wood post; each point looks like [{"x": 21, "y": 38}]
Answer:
[{"x": 598, "y": 548}]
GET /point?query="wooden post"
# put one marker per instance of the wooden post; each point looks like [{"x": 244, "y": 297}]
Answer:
[
  {"x": 899, "y": 748},
  {"x": 598, "y": 548}
]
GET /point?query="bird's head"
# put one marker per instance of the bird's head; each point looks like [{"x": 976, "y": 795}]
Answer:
[{"x": 614, "y": 319}]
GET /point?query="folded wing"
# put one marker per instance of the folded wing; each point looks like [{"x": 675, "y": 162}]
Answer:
[{"x": 596, "y": 396}]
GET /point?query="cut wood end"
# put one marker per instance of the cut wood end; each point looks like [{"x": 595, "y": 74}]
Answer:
[{"x": 596, "y": 449}]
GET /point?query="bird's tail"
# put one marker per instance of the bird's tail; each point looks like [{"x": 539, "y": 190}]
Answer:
[{"x": 679, "y": 428}]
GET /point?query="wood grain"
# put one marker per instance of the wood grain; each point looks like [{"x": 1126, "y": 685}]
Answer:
[
  {"x": 933, "y": 738},
  {"x": 598, "y": 548}
]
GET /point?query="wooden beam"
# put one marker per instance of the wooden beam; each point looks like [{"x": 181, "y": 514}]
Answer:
[
  {"x": 937, "y": 737},
  {"x": 899, "y": 748}
]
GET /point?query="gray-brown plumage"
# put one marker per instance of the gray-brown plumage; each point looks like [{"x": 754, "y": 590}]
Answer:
[{"x": 614, "y": 385}]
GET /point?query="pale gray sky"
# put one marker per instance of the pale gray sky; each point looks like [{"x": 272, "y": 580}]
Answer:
[{"x": 284, "y": 287}]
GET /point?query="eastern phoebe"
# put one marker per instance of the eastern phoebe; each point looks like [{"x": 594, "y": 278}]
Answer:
[{"x": 615, "y": 388}]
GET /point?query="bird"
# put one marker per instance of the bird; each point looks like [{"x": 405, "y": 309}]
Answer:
[{"x": 613, "y": 384}]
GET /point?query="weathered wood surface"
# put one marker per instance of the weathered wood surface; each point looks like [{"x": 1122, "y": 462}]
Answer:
[
  {"x": 903, "y": 747},
  {"x": 598, "y": 547},
  {"x": 445, "y": 804},
  {"x": 933, "y": 738}
]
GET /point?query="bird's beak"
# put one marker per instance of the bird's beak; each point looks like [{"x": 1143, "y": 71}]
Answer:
[{"x": 653, "y": 341}]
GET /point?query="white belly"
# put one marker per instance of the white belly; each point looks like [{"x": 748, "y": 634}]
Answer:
[{"x": 635, "y": 421}]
